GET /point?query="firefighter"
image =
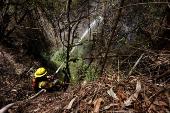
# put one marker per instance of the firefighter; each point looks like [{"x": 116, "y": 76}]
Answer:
[{"x": 42, "y": 81}]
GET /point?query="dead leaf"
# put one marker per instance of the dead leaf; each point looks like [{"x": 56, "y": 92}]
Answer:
[
  {"x": 146, "y": 99},
  {"x": 160, "y": 103},
  {"x": 97, "y": 105},
  {"x": 14, "y": 90},
  {"x": 121, "y": 96},
  {"x": 57, "y": 107},
  {"x": 138, "y": 86},
  {"x": 95, "y": 101},
  {"x": 133, "y": 81},
  {"x": 71, "y": 103},
  {"x": 152, "y": 107},
  {"x": 108, "y": 107},
  {"x": 90, "y": 101},
  {"x": 136, "y": 106},
  {"x": 133, "y": 97},
  {"x": 111, "y": 93}
]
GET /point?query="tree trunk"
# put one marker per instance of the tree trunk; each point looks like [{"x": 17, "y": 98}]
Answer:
[
  {"x": 112, "y": 35},
  {"x": 67, "y": 74}
]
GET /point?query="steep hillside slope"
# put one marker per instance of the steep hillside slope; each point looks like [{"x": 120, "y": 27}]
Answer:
[
  {"x": 16, "y": 71},
  {"x": 143, "y": 89}
]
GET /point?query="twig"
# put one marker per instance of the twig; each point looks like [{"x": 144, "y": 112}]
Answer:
[
  {"x": 118, "y": 71},
  {"x": 30, "y": 69},
  {"x": 135, "y": 65},
  {"x": 5, "y": 108}
]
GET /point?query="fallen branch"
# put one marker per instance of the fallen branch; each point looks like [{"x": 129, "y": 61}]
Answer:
[
  {"x": 5, "y": 108},
  {"x": 135, "y": 65},
  {"x": 163, "y": 75}
]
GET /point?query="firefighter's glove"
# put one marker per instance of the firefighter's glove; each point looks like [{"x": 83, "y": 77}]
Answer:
[{"x": 50, "y": 79}]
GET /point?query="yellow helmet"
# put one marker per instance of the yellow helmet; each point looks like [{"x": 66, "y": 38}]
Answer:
[{"x": 40, "y": 72}]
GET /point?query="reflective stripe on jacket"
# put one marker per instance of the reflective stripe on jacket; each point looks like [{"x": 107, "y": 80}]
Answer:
[{"x": 45, "y": 85}]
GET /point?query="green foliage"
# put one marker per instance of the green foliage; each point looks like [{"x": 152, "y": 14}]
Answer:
[
  {"x": 92, "y": 73},
  {"x": 59, "y": 55},
  {"x": 122, "y": 41},
  {"x": 78, "y": 67},
  {"x": 54, "y": 58},
  {"x": 74, "y": 1}
]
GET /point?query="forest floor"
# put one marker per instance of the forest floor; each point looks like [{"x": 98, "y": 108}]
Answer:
[
  {"x": 16, "y": 71},
  {"x": 146, "y": 90}
]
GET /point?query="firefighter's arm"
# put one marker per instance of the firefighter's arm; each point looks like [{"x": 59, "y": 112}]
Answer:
[{"x": 58, "y": 82}]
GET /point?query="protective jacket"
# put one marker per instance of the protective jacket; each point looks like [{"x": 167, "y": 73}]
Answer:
[
  {"x": 40, "y": 81},
  {"x": 45, "y": 83}
]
